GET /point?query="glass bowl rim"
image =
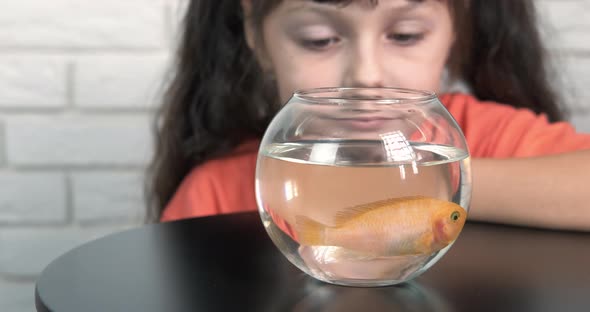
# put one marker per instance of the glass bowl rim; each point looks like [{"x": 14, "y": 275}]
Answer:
[{"x": 312, "y": 95}]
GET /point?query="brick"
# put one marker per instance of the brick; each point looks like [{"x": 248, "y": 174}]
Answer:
[
  {"x": 111, "y": 195},
  {"x": 108, "y": 81},
  {"x": 577, "y": 71},
  {"x": 175, "y": 12},
  {"x": 27, "y": 82},
  {"x": 17, "y": 296},
  {"x": 78, "y": 140},
  {"x": 566, "y": 23},
  {"x": 582, "y": 121},
  {"x": 86, "y": 24},
  {"x": 32, "y": 197},
  {"x": 177, "y": 8},
  {"x": 2, "y": 145},
  {"x": 27, "y": 251}
]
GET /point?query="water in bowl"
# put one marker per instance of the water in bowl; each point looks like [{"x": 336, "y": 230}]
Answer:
[{"x": 318, "y": 180}]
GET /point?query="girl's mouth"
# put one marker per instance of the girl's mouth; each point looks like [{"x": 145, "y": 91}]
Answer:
[{"x": 365, "y": 123}]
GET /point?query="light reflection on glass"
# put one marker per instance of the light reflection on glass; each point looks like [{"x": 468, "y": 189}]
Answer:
[
  {"x": 398, "y": 149},
  {"x": 290, "y": 190},
  {"x": 324, "y": 153}
]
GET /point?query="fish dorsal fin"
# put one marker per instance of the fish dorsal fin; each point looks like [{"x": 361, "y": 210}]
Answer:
[{"x": 350, "y": 213}]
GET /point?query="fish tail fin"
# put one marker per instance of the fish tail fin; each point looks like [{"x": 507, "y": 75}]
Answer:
[{"x": 309, "y": 232}]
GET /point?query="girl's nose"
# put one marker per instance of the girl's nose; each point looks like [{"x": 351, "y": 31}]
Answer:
[{"x": 365, "y": 67}]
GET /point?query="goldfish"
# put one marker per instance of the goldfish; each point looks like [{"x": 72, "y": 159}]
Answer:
[{"x": 398, "y": 226}]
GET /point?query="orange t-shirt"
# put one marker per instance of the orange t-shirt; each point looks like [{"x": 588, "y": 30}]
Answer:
[{"x": 226, "y": 185}]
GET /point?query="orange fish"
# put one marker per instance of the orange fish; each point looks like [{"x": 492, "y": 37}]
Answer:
[{"x": 398, "y": 226}]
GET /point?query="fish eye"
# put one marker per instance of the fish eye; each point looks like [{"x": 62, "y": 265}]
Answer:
[{"x": 455, "y": 216}]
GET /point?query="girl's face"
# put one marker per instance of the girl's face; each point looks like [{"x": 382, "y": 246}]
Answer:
[{"x": 395, "y": 43}]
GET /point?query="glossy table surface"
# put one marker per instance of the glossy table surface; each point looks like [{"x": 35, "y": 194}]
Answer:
[{"x": 228, "y": 263}]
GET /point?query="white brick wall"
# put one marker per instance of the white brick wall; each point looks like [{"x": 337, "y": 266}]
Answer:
[
  {"x": 87, "y": 24},
  {"x": 107, "y": 195},
  {"x": 17, "y": 296},
  {"x": 578, "y": 80},
  {"x": 78, "y": 140},
  {"x": 32, "y": 82},
  {"x": 566, "y": 25},
  {"x": 27, "y": 250},
  {"x": 78, "y": 83},
  {"x": 18, "y": 205},
  {"x": 569, "y": 19},
  {"x": 126, "y": 81}
]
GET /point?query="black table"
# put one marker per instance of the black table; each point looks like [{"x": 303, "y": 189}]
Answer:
[{"x": 227, "y": 263}]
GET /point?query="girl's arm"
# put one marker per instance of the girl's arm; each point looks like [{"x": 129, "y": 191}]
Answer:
[{"x": 549, "y": 191}]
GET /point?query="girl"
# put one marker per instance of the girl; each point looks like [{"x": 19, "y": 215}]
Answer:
[{"x": 239, "y": 60}]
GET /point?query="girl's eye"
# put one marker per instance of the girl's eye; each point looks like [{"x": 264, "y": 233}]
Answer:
[
  {"x": 320, "y": 44},
  {"x": 406, "y": 39}
]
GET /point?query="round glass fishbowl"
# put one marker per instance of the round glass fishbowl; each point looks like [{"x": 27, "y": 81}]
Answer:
[{"x": 363, "y": 186}]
